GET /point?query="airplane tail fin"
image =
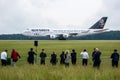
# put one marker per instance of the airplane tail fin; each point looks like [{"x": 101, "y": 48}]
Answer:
[{"x": 100, "y": 24}]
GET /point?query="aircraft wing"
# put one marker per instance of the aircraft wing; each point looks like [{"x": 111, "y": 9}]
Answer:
[
  {"x": 73, "y": 34},
  {"x": 101, "y": 30}
]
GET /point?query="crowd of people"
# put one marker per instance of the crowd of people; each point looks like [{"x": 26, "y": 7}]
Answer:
[{"x": 65, "y": 57}]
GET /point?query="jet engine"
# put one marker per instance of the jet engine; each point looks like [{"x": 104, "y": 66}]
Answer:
[
  {"x": 52, "y": 36},
  {"x": 65, "y": 35}
]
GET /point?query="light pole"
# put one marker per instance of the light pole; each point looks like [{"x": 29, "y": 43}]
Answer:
[{"x": 36, "y": 45}]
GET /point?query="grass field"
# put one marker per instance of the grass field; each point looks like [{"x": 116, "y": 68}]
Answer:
[{"x": 24, "y": 71}]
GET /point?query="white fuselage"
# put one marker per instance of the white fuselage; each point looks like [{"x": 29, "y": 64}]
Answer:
[{"x": 65, "y": 33}]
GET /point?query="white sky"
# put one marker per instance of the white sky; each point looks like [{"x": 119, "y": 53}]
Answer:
[{"x": 17, "y": 15}]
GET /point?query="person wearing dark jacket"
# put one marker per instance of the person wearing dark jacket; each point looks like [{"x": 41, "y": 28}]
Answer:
[
  {"x": 73, "y": 57},
  {"x": 31, "y": 54},
  {"x": 43, "y": 56},
  {"x": 53, "y": 60},
  {"x": 14, "y": 56},
  {"x": 115, "y": 58},
  {"x": 62, "y": 58},
  {"x": 96, "y": 58},
  {"x": 93, "y": 54}
]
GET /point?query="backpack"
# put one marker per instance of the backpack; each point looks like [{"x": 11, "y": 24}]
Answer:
[{"x": 116, "y": 57}]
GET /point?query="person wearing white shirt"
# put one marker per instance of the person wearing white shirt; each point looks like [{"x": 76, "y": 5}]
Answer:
[
  {"x": 4, "y": 58},
  {"x": 85, "y": 57}
]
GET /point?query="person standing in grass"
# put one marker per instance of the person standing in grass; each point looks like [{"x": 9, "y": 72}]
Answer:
[
  {"x": 67, "y": 58},
  {"x": 4, "y": 57},
  {"x": 53, "y": 60},
  {"x": 62, "y": 58},
  {"x": 85, "y": 57},
  {"x": 31, "y": 54},
  {"x": 115, "y": 58},
  {"x": 73, "y": 57},
  {"x": 96, "y": 58},
  {"x": 14, "y": 56},
  {"x": 43, "y": 56},
  {"x": 93, "y": 54}
]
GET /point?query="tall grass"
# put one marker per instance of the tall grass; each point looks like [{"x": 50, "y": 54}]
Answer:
[
  {"x": 24, "y": 71},
  {"x": 58, "y": 72}
]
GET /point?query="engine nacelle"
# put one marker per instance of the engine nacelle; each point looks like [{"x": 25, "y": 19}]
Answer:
[
  {"x": 65, "y": 35},
  {"x": 52, "y": 36}
]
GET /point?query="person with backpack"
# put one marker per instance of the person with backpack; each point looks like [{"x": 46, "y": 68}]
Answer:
[{"x": 115, "y": 58}]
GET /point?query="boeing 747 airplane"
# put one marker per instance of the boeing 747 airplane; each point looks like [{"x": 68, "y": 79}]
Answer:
[{"x": 98, "y": 27}]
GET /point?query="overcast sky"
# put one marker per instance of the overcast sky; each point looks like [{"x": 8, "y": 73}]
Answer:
[{"x": 18, "y": 15}]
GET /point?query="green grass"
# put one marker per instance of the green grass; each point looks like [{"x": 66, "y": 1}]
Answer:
[{"x": 24, "y": 71}]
